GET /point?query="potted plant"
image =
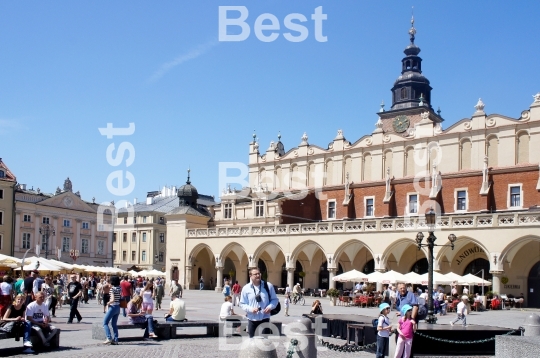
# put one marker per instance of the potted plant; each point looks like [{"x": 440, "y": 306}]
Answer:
[{"x": 332, "y": 294}]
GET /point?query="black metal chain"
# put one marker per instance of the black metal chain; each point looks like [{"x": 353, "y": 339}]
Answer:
[
  {"x": 292, "y": 348},
  {"x": 478, "y": 341}
]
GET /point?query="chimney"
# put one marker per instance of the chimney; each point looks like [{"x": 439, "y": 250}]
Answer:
[
  {"x": 149, "y": 200},
  {"x": 23, "y": 186},
  {"x": 135, "y": 201}
]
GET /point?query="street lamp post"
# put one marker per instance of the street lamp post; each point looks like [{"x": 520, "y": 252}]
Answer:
[
  {"x": 46, "y": 230},
  {"x": 431, "y": 221}
]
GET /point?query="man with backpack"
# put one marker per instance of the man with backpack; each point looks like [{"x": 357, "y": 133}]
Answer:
[
  {"x": 404, "y": 297},
  {"x": 258, "y": 299}
]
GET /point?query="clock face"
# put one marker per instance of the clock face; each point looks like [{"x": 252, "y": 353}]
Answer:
[{"x": 400, "y": 124}]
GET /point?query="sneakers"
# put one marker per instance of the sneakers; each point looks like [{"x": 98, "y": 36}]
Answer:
[
  {"x": 108, "y": 341},
  {"x": 29, "y": 351},
  {"x": 79, "y": 320},
  {"x": 114, "y": 343},
  {"x": 27, "y": 344},
  {"x": 451, "y": 323},
  {"x": 152, "y": 335}
]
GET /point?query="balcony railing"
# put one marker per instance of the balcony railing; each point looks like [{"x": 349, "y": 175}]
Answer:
[{"x": 454, "y": 222}]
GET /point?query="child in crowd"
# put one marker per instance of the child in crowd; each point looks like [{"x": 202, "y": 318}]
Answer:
[
  {"x": 383, "y": 330},
  {"x": 462, "y": 311},
  {"x": 406, "y": 329},
  {"x": 286, "y": 303}
]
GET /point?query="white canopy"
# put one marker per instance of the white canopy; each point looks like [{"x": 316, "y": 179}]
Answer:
[
  {"x": 413, "y": 277},
  {"x": 351, "y": 276},
  {"x": 6, "y": 260},
  {"x": 438, "y": 279},
  {"x": 471, "y": 279},
  {"x": 154, "y": 273},
  {"x": 44, "y": 265},
  {"x": 387, "y": 277},
  {"x": 456, "y": 279}
]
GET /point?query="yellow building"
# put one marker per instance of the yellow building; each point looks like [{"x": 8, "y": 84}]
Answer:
[{"x": 7, "y": 187}]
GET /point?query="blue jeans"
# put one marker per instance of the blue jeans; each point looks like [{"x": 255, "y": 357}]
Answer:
[
  {"x": 201, "y": 286},
  {"x": 170, "y": 319},
  {"x": 382, "y": 343},
  {"x": 127, "y": 299},
  {"x": 148, "y": 325},
  {"x": 27, "y": 330},
  {"x": 111, "y": 316}
]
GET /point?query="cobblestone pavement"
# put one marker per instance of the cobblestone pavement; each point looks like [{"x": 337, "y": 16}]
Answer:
[{"x": 76, "y": 340}]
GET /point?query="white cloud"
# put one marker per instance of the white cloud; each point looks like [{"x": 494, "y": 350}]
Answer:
[{"x": 192, "y": 54}]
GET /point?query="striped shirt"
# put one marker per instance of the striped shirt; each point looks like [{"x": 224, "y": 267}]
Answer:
[{"x": 115, "y": 293}]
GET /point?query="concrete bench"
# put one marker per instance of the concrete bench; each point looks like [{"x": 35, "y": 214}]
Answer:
[
  {"x": 160, "y": 330},
  {"x": 36, "y": 340},
  {"x": 212, "y": 327},
  {"x": 229, "y": 325}
]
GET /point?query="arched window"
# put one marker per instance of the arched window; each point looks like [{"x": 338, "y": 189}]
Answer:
[
  {"x": 404, "y": 94},
  {"x": 367, "y": 168},
  {"x": 522, "y": 147},
  {"x": 465, "y": 154},
  {"x": 492, "y": 151},
  {"x": 409, "y": 161},
  {"x": 329, "y": 171}
]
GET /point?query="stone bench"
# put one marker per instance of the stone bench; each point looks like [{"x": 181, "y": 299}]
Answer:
[
  {"x": 160, "y": 330},
  {"x": 36, "y": 340},
  {"x": 212, "y": 327},
  {"x": 227, "y": 326}
]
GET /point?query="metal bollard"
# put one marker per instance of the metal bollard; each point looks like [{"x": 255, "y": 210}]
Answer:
[
  {"x": 302, "y": 331},
  {"x": 532, "y": 325},
  {"x": 257, "y": 347}
]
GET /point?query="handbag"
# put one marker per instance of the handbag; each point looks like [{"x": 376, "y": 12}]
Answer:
[
  {"x": 276, "y": 310},
  {"x": 123, "y": 303}
]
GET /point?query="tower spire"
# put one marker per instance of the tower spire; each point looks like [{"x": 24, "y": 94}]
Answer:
[
  {"x": 188, "y": 172},
  {"x": 412, "y": 30}
]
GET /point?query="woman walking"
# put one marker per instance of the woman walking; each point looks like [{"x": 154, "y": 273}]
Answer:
[
  {"x": 113, "y": 311},
  {"x": 139, "y": 317},
  {"x": 147, "y": 295},
  {"x": 50, "y": 300},
  {"x": 105, "y": 293}
]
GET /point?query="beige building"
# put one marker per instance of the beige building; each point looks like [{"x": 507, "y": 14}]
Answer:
[
  {"x": 140, "y": 234},
  {"x": 7, "y": 188},
  {"x": 312, "y": 212},
  {"x": 76, "y": 223}
]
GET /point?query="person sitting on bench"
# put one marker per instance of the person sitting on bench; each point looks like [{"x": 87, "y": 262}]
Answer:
[
  {"x": 37, "y": 313},
  {"x": 177, "y": 313},
  {"x": 139, "y": 317}
]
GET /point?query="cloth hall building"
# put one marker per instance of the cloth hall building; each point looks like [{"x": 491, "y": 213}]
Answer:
[{"x": 311, "y": 212}]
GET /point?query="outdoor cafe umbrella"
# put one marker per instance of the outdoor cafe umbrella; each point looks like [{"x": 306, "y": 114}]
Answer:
[
  {"x": 8, "y": 261},
  {"x": 413, "y": 277},
  {"x": 153, "y": 273},
  {"x": 456, "y": 279},
  {"x": 351, "y": 276},
  {"x": 438, "y": 279},
  {"x": 387, "y": 277},
  {"x": 44, "y": 265},
  {"x": 470, "y": 279}
]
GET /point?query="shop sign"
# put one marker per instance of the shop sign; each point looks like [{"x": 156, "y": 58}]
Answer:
[
  {"x": 466, "y": 253},
  {"x": 512, "y": 287}
]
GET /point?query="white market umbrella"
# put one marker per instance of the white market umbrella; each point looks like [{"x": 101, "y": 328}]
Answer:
[
  {"x": 44, "y": 265},
  {"x": 133, "y": 273},
  {"x": 471, "y": 279},
  {"x": 438, "y": 279},
  {"x": 6, "y": 260},
  {"x": 153, "y": 273},
  {"x": 456, "y": 279},
  {"x": 64, "y": 265},
  {"x": 413, "y": 277},
  {"x": 387, "y": 277},
  {"x": 351, "y": 276}
]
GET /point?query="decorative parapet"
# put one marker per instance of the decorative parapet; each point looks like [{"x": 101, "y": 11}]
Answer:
[{"x": 448, "y": 222}]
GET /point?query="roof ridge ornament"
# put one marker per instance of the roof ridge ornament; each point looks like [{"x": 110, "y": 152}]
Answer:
[
  {"x": 304, "y": 139},
  {"x": 412, "y": 30},
  {"x": 188, "y": 175},
  {"x": 480, "y": 105}
]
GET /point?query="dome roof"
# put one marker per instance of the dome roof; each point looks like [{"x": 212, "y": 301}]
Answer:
[
  {"x": 411, "y": 76},
  {"x": 187, "y": 193}
]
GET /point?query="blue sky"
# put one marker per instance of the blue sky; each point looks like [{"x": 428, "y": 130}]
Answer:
[{"x": 68, "y": 68}]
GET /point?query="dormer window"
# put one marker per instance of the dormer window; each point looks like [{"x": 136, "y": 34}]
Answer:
[
  {"x": 227, "y": 211},
  {"x": 259, "y": 208},
  {"x": 2, "y": 174},
  {"x": 404, "y": 93}
]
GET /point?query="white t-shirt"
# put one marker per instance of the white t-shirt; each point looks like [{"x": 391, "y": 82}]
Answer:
[
  {"x": 461, "y": 308},
  {"x": 147, "y": 297},
  {"x": 226, "y": 309},
  {"x": 424, "y": 295},
  {"x": 465, "y": 291},
  {"x": 383, "y": 322},
  {"x": 5, "y": 288},
  {"x": 441, "y": 296},
  {"x": 37, "y": 311},
  {"x": 287, "y": 290}
]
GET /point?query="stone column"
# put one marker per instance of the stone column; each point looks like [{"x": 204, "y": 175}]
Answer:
[
  {"x": 188, "y": 278},
  {"x": 331, "y": 274},
  {"x": 380, "y": 285},
  {"x": 219, "y": 278},
  {"x": 18, "y": 236},
  {"x": 290, "y": 277},
  {"x": 496, "y": 281},
  {"x": 57, "y": 239},
  {"x": 77, "y": 237}
]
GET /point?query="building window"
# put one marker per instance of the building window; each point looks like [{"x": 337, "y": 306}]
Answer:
[
  {"x": 161, "y": 256},
  {"x": 134, "y": 237},
  {"x": 45, "y": 220},
  {"x": 125, "y": 220},
  {"x": 461, "y": 203},
  {"x": 259, "y": 208},
  {"x": 124, "y": 237},
  {"x": 413, "y": 204},
  {"x": 133, "y": 255},
  {"x": 85, "y": 225},
  {"x": 144, "y": 219},
  {"x": 25, "y": 240},
  {"x": 2, "y": 174},
  {"x": 515, "y": 196},
  {"x": 369, "y": 207},
  {"x": 84, "y": 246},
  {"x": 1, "y": 193},
  {"x": 101, "y": 227},
  {"x": 1, "y": 241},
  {"x": 143, "y": 237},
  {"x": 66, "y": 241},
  {"x": 101, "y": 247},
  {"x": 114, "y": 237},
  {"x": 161, "y": 220},
  {"x": 1, "y": 218},
  {"x": 114, "y": 255},
  {"x": 227, "y": 214},
  {"x": 44, "y": 245},
  {"x": 134, "y": 219},
  {"x": 27, "y": 218},
  {"x": 124, "y": 255},
  {"x": 143, "y": 256},
  {"x": 162, "y": 238},
  {"x": 332, "y": 209},
  {"x": 67, "y": 223}
]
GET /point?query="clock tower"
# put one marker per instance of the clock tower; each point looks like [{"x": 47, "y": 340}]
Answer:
[{"x": 411, "y": 93}]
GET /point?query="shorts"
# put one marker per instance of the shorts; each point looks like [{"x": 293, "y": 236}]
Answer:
[{"x": 147, "y": 306}]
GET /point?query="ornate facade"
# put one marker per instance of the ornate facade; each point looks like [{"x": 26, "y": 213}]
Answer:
[
  {"x": 76, "y": 223},
  {"x": 311, "y": 212},
  {"x": 7, "y": 189}
]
